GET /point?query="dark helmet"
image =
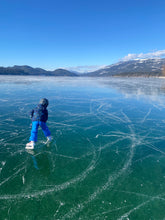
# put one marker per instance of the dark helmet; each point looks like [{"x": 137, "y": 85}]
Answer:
[{"x": 44, "y": 102}]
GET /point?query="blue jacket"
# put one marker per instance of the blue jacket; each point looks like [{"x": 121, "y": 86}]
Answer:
[{"x": 40, "y": 113}]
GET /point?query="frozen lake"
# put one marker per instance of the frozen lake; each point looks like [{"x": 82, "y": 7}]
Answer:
[{"x": 107, "y": 158}]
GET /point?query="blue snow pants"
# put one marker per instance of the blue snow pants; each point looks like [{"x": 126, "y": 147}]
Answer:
[{"x": 34, "y": 131}]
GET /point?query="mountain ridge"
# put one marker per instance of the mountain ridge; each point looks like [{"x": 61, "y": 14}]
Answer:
[
  {"x": 28, "y": 70},
  {"x": 138, "y": 67},
  {"x": 132, "y": 68}
]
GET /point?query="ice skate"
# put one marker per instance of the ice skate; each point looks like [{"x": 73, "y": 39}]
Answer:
[
  {"x": 49, "y": 138},
  {"x": 30, "y": 145},
  {"x": 48, "y": 142}
]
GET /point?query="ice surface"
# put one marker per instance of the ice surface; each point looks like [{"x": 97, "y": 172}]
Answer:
[{"x": 107, "y": 160}]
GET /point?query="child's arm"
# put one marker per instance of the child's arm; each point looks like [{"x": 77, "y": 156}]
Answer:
[
  {"x": 46, "y": 115},
  {"x": 31, "y": 113}
]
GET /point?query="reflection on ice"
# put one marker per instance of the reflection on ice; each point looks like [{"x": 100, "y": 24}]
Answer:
[
  {"x": 137, "y": 86},
  {"x": 108, "y": 158}
]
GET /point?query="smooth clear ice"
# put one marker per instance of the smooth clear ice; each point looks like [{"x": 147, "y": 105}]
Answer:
[{"x": 107, "y": 157}]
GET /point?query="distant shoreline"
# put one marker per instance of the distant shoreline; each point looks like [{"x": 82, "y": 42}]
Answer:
[
  {"x": 86, "y": 76},
  {"x": 132, "y": 68}
]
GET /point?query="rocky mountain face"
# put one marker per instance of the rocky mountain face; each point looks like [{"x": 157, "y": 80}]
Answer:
[{"x": 143, "y": 67}]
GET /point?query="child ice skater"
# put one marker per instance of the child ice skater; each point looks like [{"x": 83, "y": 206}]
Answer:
[{"x": 39, "y": 116}]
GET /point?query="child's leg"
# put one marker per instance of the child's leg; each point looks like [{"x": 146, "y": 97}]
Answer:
[
  {"x": 34, "y": 131},
  {"x": 45, "y": 129}
]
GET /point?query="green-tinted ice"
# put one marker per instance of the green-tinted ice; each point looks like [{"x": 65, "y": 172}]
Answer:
[{"x": 107, "y": 158}]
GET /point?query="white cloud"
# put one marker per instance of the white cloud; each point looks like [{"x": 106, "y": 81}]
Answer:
[
  {"x": 155, "y": 54},
  {"x": 85, "y": 69}
]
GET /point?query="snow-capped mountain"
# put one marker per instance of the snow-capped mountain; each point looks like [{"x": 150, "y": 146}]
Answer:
[{"x": 140, "y": 67}]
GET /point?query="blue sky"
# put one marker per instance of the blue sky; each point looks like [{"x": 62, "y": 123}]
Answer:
[{"x": 79, "y": 33}]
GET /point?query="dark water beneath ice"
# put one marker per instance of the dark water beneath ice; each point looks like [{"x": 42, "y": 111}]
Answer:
[{"x": 107, "y": 159}]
